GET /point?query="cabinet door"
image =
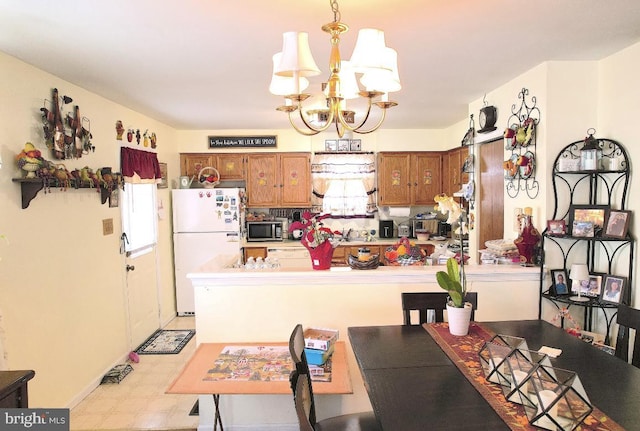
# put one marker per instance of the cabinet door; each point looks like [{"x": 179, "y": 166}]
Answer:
[
  {"x": 230, "y": 166},
  {"x": 295, "y": 180},
  {"x": 427, "y": 170},
  {"x": 263, "y": 188},
  {"x": 394, "y": 179},
  {"x": 191, "y": 164}
]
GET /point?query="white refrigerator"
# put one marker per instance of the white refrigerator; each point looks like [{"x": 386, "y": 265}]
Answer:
[{"x": 206, "y": 225}]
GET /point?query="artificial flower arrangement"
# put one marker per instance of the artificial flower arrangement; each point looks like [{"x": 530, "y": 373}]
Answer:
[
  {"x": 318, "y": 239},
  {"x": 315, "y": 233}
]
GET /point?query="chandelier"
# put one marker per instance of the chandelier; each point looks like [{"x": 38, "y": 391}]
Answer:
[{"x": 376, "y": 63}]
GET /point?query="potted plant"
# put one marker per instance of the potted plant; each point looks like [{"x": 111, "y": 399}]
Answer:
[
  {"x": 458, "y": 310},
  {"x": 454, "y": 279}
]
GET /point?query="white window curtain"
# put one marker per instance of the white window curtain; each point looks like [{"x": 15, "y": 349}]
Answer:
[{"x": 344, "y": 184}]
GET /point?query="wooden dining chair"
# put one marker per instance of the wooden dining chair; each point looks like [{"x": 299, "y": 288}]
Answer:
[
  {"x": 304, "y": 402},
  {"x": 628, "y": 318},
  {"x": 436, "y": 301}
]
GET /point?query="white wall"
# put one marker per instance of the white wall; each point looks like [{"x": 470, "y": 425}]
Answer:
[{"x": 61, "y": 280}]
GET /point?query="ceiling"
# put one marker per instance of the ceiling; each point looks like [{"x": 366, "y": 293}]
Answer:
[{"x": 206, "y": 64}]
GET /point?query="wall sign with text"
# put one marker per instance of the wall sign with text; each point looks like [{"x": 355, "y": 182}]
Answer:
[{"x": 242, "y": 141}]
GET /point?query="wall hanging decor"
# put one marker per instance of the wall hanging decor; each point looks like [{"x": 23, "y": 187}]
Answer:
[
  {"x": 520, "y": 139},
  {"x": 67, "y": 136}
]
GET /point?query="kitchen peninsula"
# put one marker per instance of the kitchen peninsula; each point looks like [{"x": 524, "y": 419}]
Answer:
[{"x": 238, "y": 305}]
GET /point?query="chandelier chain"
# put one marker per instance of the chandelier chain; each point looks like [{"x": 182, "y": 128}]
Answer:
[{"x": 335, "y": 10}]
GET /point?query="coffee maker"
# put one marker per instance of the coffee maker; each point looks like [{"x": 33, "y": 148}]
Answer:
[{"x": 386, "y": 229}]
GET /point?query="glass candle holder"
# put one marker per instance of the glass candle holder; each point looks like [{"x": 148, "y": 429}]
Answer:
[
  {"x": 493, "y": 356},
  {"x": 554, "y": 398}
]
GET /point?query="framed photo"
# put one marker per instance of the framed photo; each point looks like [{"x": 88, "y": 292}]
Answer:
[
  {"x": 617, "y": 224},
  {"x": 579, "y": 286},
  {"x": 331, "y": 145},
  {"x": 595, "y": 285},
  {"x": 583, "y": 229},
  {"x": 595, "y": 214},
  {"x": 613, "y": 289},
  {"x": 556, "y": 227},
  {"x": 344, "y": 145},
  {"x": 355, "y": 145},
  {"x": 114, "y": 198},
  {"x": 163, "y": 184},
  {"x": 559, "y": 278}
]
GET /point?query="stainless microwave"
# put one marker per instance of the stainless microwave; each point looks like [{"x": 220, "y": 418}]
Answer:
[{"x": 265, "y": 231}]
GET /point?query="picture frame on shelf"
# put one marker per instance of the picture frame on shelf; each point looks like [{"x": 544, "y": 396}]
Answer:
[
  {"x": 613, "y": 289},
  {"x": 355, "y": 145},
  {"x": 331, "y": 145},
  {"x": 559, "y": 282},
  {"x": 596, "y": 214},
  {"x": 344, "y": 145},
  {"x": 617, "y": 224},
  {"x": 164, "y": 183},
  {"x": 595, "y": 284},
  {"x": 579, "y": 287},
  {"x": 583, "y": 229},
  {"x": 556, "y": 227}
]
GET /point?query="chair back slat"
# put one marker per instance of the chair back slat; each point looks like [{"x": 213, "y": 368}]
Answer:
[
  {"x": 304, "y": 400},
  {"x": 436, "y": 301},
  {"x": 628, "y": 318}
]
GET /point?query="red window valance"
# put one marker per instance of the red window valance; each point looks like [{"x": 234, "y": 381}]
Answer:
[{"x": 143, "y": 163}]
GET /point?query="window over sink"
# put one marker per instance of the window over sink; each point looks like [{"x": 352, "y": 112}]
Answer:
[{"x": 344, "y": 184}]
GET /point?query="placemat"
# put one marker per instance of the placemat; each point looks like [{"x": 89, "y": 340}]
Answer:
[{"x": 463, "y": 351}]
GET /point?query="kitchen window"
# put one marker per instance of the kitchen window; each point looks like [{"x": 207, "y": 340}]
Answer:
[{"x": 344, "y": 184}]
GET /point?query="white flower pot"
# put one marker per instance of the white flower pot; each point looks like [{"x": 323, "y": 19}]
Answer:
[{"x": 459, "y": 319}]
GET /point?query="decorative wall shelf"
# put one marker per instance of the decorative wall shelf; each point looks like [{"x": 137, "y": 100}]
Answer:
[
  {"x": 520, "y": 169},
  {"x": 30, "y": 187}
]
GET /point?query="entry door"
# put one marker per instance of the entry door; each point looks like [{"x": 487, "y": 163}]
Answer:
[
  {"x": 491, "y": 192},
  {"x": 141, "y": 295}
]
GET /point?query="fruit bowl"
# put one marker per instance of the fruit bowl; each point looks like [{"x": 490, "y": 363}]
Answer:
[
  {"x": 209, "y": 177},
  {"x": 30, "y": 169},
  {"x": 372, "y": 263}
]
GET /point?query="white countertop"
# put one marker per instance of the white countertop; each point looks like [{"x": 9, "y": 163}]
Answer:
[{"x": 210, "y": 274}]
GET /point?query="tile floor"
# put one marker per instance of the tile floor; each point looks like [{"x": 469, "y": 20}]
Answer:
[{"x": 138, "y": 402}]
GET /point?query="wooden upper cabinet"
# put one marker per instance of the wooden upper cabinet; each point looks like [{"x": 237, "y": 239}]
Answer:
[
  {"x": 295, "y": 177},
  {"x": 262, "y": 183},
  {"x": 279, "y": 180},
  {"x": 394, "y": 179},
  {"x": 453, "y": 177},
  {"x": 409, "y": 178},
  {"x": 230, "y": 166},
  {"x": 191, "y": 164},
  {"x": 427, "y": 168}
]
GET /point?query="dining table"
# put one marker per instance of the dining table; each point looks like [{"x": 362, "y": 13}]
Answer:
[{"x": 414, "y": 385}]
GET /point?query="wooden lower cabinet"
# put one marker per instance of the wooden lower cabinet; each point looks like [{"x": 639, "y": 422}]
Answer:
[
  {"x": 255, "y": 252},
  {"x": 341, "y": 253}
]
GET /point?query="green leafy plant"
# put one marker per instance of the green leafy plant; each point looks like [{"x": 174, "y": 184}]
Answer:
[{"x": 453, "y": 282}]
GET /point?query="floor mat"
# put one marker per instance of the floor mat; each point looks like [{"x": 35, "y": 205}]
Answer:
[{"x": 166, "y": 342}]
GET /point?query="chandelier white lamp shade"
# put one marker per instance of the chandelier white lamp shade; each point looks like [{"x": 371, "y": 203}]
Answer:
[
  {"x": 579, "y": 272},
  {"x": 371, "y": 58},
  {"x": 282, "y": 85}
]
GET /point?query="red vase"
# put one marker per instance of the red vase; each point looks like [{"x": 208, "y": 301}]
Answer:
[
  {"x": 321, "y": 255},
  {"x": 528, "y": 242}
]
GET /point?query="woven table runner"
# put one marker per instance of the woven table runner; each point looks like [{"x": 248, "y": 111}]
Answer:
[{"x": 463, "y": 351}]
